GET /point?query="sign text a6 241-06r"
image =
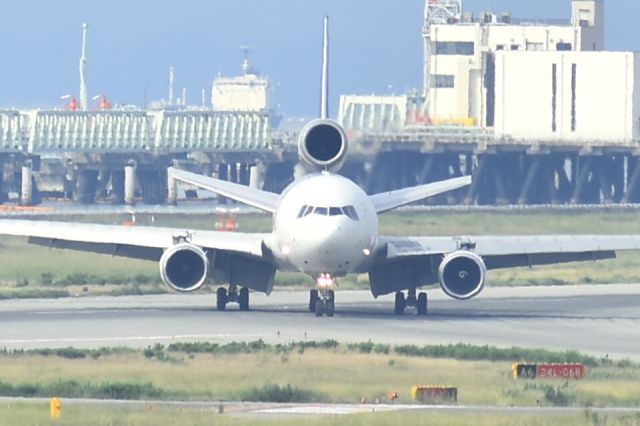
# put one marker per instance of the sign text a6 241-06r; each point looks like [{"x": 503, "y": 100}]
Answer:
[
  {"x": 561, "y": 371},
  {"x": 574, "y": 371}
]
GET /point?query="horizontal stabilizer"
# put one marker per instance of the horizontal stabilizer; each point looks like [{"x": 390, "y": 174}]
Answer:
[
  {"x": 257, "y": 198},
  {"x": 390, "y": 200}
]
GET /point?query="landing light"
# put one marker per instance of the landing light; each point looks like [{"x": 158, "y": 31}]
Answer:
[
  {"x": 366, "y": 252},
  {"x": 286, "y": 250},
  {"x": 325, "y": 281}
]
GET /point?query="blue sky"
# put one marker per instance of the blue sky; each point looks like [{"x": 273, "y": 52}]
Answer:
[{"x": 376, "y": 45}]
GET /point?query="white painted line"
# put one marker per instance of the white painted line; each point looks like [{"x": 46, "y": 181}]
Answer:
[{"x": 132, "y": 338}]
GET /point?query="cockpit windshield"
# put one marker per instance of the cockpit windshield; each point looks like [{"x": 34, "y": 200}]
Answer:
[{"x": 348, "y": 211}]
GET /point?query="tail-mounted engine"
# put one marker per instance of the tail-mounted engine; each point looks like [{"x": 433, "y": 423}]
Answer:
[
  {"x": 462, "y": 274},
  {"x": 323, "y": 145},
  {"x": 184, "y": 267}
]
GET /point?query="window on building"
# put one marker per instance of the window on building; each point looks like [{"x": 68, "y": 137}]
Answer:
[
  {"x": 584, "y": 17},
  {"x": 515, "y": 47},
  {"x": 443, "y": 81},
  {"x": 466, "y": 48},
  {"x": 562, "y": 46},
  {"x": 500, "y": 47},
  {"x": 535, "y": 46}
]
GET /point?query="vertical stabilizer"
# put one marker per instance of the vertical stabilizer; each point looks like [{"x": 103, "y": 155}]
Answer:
[{"x": 324, "y": 100}]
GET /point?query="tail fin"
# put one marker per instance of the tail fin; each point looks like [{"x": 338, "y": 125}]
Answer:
[{"x": 324, "y": 97}]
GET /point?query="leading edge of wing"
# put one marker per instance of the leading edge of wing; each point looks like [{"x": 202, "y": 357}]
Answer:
[
  {"x": 510, "y": 244},
  {"x": 385, "y": 201},
  {"x": 142, "y": 236},
  {"x": 263, "y": 200}
]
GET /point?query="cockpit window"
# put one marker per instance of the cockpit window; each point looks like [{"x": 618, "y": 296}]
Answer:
[
  {"x": 304, "y": 211},
  {"x": 301, "y": 212},
  {"x": 348, "y": 211},
  {"x": 322, "y": 211}
]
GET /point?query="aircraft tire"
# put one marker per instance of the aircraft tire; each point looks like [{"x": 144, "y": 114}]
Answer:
[
  {"x": 421, "y": 305},
  {"x": 330, "y": 307},
  {"x": 400, "y": 303},
  {"x": 313, "y": 300},
  {"x": 243, "y": 299},
  {"x": 319, "y": 307},
  {"x": 221, "y": 299}
]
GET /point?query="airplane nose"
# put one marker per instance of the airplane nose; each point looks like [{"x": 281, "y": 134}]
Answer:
[{"x": 333, "y": 246}]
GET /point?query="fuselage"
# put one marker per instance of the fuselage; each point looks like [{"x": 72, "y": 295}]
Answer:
[{"x": 325, "y": 224}]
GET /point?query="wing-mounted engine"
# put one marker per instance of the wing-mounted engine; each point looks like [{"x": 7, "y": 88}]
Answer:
[
  {"x": 323, "y": 145},
  {"x": 462, "y": 274},
  {"x": 184, "y": 267}
]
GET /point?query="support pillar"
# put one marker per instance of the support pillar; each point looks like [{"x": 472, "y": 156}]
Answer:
[
  {"x": 634, "y": 180},
  {"x": 26, "y": 190},
  {"x": 130, "y": 183},
  {"x": 427, "y": 169},
  {"x": 233, "y": 172},
  {"x": 583, "y": 178},
  {"x": 117, "y": 186},
  {"x": 244, "y": 174},
  {"x": 523, "y": 198},
  {"x": 85, "y": 187},
  {"x": 256, "y": 175},
  {"x": 605, "y": 166},
  {"x": 172, "y": 190},
  {"x": 478, "y": 176},
  {"x": 222, "y": 172}
]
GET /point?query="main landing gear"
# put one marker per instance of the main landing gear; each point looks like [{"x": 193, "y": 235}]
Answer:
[
  {"x": 419, "y": 302},
  {"x": 224, "y": 297},
  {"x": 322, "y": 299}
]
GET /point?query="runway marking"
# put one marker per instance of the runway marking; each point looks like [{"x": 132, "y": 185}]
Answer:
[
  {"x": 132, "y": 338},
  {"x": 342, "y": 409}
]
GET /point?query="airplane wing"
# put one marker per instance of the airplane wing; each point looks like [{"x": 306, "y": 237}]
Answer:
[
  {"x": 385, "y": 201},
  {"x": 420, "y": 256},
  {"x": 263, "y": 200},
  {"x": 138, "y": 242}
]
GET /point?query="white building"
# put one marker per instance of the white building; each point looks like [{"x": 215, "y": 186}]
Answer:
[
  {"x": 459, "y": 55},
  {"x": 573, "y": 97},
  {"x": 524, "y": 80}
]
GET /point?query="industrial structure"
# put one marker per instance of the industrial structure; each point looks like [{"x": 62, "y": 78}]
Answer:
[{"x": 537, "y": 111}]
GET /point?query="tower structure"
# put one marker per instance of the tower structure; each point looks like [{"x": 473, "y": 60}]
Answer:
[
  {"x": 172, "y": 80},
  {"x": 589, "y": 16},
  {"x": 83, "y": 70},
  {"x": 435, "y": 12}
]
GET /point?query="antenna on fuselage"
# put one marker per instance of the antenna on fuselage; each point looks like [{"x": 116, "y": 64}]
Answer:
[{"x": 324, "y": 97}]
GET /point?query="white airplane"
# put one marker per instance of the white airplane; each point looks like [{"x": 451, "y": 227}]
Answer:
[{"x": 325, "y": 226}]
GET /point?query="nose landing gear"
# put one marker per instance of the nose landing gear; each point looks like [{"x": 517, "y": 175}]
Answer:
[{"x": 322, "y": 299}]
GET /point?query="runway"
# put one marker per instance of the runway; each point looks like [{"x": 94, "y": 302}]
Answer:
[{"x": 597, "y": 319}]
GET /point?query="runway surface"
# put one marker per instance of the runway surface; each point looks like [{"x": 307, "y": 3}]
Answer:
[
  {"x": 294, "y": 410},
  {"x": 596, "y": 319}
]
